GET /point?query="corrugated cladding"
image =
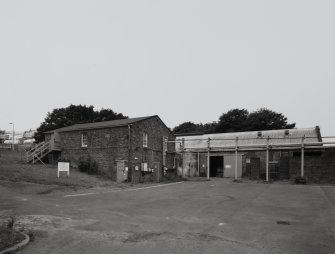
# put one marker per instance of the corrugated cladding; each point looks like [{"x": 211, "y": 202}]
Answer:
[{"x": 251, "y": 138}]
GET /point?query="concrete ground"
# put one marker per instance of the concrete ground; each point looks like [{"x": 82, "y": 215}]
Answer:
[{"x": 190, "y": 217}]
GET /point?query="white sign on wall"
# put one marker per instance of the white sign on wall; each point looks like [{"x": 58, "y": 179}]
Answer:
[
  {"x": 228, "y": 166},
  {"x": 63, "y": 167}
]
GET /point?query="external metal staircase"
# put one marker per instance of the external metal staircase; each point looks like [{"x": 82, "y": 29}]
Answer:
[{"x": 38, "y": 152}]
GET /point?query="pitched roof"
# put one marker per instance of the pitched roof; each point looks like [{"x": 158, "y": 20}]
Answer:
[
  {"x": 251, "y": 138},
  {"x": 99, "y": 125}
]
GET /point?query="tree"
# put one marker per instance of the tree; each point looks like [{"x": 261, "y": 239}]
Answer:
[
  {"x": 236, "y": 120},
  {"x": 265, "y": 119},
  {"x": 74, "y": 114},
  {"x": 209, "y": 127},
  {"x": 107, "y": 115},
  {"x": 2, "y": 132},
  {"x": 233, "y": 121},
  {"x": 187, "y": 127}
]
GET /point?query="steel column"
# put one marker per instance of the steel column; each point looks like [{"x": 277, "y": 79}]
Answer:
[
  {"x": 208, "y": 163},
  {"x": 236, "y": 148},
  {"x": 302, "y": 156},
  {"x": 267, "y": 159},
  {"x": 198, "y": 164}
]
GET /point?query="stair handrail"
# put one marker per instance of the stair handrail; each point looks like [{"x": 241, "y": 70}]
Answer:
[
  {"x": 38, "y": 146},
  {"x": 40, "y": 150}
]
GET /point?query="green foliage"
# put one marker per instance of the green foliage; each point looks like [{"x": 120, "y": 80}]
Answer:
[
  {"x": 189, "y": 127},
  {"x": 237, "y": 120},
  {"x": 11, "y": 222},
  {"x": 265, "y": 119},
  {"x": 74, "y": 114},
  {"x": 87, "y": 165},
  {"x": 233, "y": 121}
]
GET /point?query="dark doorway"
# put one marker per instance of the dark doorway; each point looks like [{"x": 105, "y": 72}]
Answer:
[{"x": 216, "y": 166}]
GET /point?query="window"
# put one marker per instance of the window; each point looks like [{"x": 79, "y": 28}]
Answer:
[
  {"x": 84, "y": 139},
  {"x": 287, "y": 132},
  {"x": 259, "y": 134},
  {"x": 145, "y": 139},
  {"x": 144, "y": 166}
]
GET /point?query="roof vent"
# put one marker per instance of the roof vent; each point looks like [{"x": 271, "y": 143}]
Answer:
[
  {"x": 287, "y": 132},
  {"x": 259, "y": 134}
]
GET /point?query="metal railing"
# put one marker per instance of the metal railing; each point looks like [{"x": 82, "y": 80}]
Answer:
[{"x": 38, "y": 152}]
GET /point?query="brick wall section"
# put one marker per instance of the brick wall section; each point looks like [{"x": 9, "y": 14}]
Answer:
[
  {"x": 319, "y": 168},
  {"x": 319, "y": 165}
]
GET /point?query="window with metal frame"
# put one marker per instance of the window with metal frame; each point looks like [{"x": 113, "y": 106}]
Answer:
[
  {"x": 84, "y": 140},
  {"x": 145, "y": 139}
]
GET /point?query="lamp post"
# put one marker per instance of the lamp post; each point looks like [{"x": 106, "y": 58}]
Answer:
[{"x": 13, "y": 136}]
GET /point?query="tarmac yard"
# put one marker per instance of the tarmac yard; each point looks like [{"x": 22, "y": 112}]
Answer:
[{"x": 189, "y": 217}]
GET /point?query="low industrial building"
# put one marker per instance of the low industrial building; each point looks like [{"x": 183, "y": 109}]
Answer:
[{"x": 272, "y": 154}]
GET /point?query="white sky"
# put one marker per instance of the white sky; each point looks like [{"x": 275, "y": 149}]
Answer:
[{"x": 183, "y": 60}]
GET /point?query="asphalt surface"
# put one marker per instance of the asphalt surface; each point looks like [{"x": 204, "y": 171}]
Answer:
[{"x": 190, "y": 217}]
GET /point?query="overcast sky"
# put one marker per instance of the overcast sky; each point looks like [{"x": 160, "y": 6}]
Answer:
[{"x": 183, "y": 60}]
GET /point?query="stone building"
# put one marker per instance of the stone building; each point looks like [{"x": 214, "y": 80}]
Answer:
[{"x": 127, "y": 149}]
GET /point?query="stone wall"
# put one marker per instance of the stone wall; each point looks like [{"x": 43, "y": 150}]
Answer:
[
  {"x": 153, "y": 154},
  {"x": 319, "y": 166},
  {"x": 105, "y": 146}
]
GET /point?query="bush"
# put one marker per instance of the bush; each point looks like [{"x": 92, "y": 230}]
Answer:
[
  {"x": 87, "y": 165},
  {"x": 11, "y": 222}
]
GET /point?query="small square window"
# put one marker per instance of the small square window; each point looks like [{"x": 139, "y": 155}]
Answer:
[
  {"x": 259, "y": 134},
  {"x": 84, "y": 139},
  {"x": 145, "y": 139}
]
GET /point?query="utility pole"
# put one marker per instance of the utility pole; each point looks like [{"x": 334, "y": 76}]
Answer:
[{"x": 13, "y": 136}]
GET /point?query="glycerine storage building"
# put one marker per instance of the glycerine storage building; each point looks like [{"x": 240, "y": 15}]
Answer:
[{"x": 128, "y": 149}]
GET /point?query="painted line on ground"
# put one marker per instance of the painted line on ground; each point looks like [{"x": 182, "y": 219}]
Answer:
[
  {"x": 83, "y": 194},
  {"x": 150, "y": 187},
  {"x": 122, "y": 190}
]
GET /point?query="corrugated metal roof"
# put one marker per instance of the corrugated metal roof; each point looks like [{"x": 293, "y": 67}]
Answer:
[
  {"x": 251, "y": 138},
  {"x": 99, "y": 125}
]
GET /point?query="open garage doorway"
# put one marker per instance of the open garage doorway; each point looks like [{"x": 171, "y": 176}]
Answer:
[{"x": 216, "y": 166}]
